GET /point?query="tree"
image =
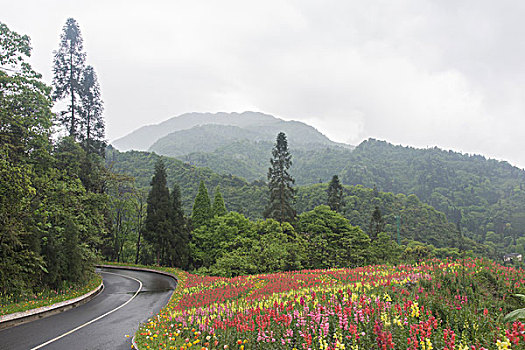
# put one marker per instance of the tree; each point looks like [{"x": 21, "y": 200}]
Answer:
[
  {"x": 218, "y": 208},
  {"x": 139, "y": 204},
  {"x": 335, "y": 195},
  {"x": 25, "y": 128},
  {"x": 158, "y": 219},
  {"x": 377, "y": 225},
  {"x": 121, "y": 214},
  {"x": 201, "y": 213},
  {"x": 280, "y": 183},
  {"x": 331, "y": 240},
  {"x": 223, "y": 235},
  {"x": 91, "y": 113},
  {"x": 67, "y": 74},
  {"x": 179, "y": 243}
]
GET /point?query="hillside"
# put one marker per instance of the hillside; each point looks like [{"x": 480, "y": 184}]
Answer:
[
  {"x": 250, "y": 160},
  {"x": 484, "y": 196},
  {"x": 420, "y": 221},
  {"x": 238, "y": 193},
  {"x": 264, "y": 126}
]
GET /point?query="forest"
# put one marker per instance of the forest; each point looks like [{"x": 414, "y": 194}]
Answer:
[
  {"x": 483, "y": 197},
  {"x": 53, "y": 205}
]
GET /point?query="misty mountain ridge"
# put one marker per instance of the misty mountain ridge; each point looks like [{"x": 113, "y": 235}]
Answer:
[{"x": 217, "y": 130}]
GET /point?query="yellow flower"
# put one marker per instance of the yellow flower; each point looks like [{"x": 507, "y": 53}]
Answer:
[
  {"x": 415, "y": 310},
  {"x": 503, "y": 345}
]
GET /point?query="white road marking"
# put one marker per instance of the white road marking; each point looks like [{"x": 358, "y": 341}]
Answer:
[{"x": 95, "y": 319}]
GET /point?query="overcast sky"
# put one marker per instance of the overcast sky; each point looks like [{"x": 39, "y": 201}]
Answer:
[{"x": 446, "y": 73}]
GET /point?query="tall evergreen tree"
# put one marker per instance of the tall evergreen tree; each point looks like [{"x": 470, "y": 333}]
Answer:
[
  {"x": 158, "y": 218},
  {"x": 91, "y": 113},
  {"x": 180, "y": 241},
  {"x": 67, "y": 75},
  {"x": 377, "y": 225},
  {"x": 218, "y": 208},
  {"x": 280, "y": 183},
  {"x": 201, "y": 213},
  {"x": 335, "y": 195}
]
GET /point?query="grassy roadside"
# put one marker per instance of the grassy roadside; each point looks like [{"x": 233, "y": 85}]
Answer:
[{"x": 9, "y": 305}]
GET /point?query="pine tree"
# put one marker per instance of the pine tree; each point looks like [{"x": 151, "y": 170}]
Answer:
[
  {"x": 335, "y": 195},
  {"x": 67, "y": 75},
  {"x": 280, "y": 183},
  {"x": 91, "y": 113},
  {"x": 201, "y": 213},
  {"x": 218, "y": 208},
  {"x": 179, "y": 243},
  {"x": 377, "y": 225},
  {"x": 158, "y": 218}
]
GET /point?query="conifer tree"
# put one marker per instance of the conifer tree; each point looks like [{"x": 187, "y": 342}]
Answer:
[
  {"x": 335, "y": 195},
  {"x": 201, "y": 213},
  {"x": 218, "y": 208},
  {"x": 179, "y": 243},
  {"x": 280, "y": 183},
  {"x": 91, "y": 113},
  {"x": 158, "y": 218},
  {"x": 67, "y": 75},
  {"x": 377, "y": 225}
]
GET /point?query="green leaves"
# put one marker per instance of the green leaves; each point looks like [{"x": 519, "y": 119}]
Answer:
[
  {"x": 515, "y": 315},
  {"x": 518, "y": 314}
]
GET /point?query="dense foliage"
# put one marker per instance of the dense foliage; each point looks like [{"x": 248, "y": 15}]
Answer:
[
  {"x": 436, "y": 304},
  {"x": 51, "y": 216}
]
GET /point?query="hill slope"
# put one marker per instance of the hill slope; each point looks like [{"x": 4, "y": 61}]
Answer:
[
  {"x": 485, "y": 197},
  {"x": 420, "y": 221}
]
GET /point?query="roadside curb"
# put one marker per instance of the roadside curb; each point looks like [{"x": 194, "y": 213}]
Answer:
[
  {"x": 17, "y": 318},
  {"x": 133, "y": 342}
]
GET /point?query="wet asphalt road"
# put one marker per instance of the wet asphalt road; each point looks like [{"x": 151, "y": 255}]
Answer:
[{"x": 110, "y": 331}]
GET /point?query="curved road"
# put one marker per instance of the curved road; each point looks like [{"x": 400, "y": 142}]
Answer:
[{"x": 129, "y": 298}]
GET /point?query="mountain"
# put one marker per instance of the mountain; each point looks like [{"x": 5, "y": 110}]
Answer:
[{"x": 254, "y": 126}]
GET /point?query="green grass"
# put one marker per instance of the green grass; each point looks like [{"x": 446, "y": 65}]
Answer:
[{"x": 9, "y": 304}]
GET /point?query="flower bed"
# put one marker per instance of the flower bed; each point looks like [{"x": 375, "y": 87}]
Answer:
[{"x": 432, "y": 305}]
